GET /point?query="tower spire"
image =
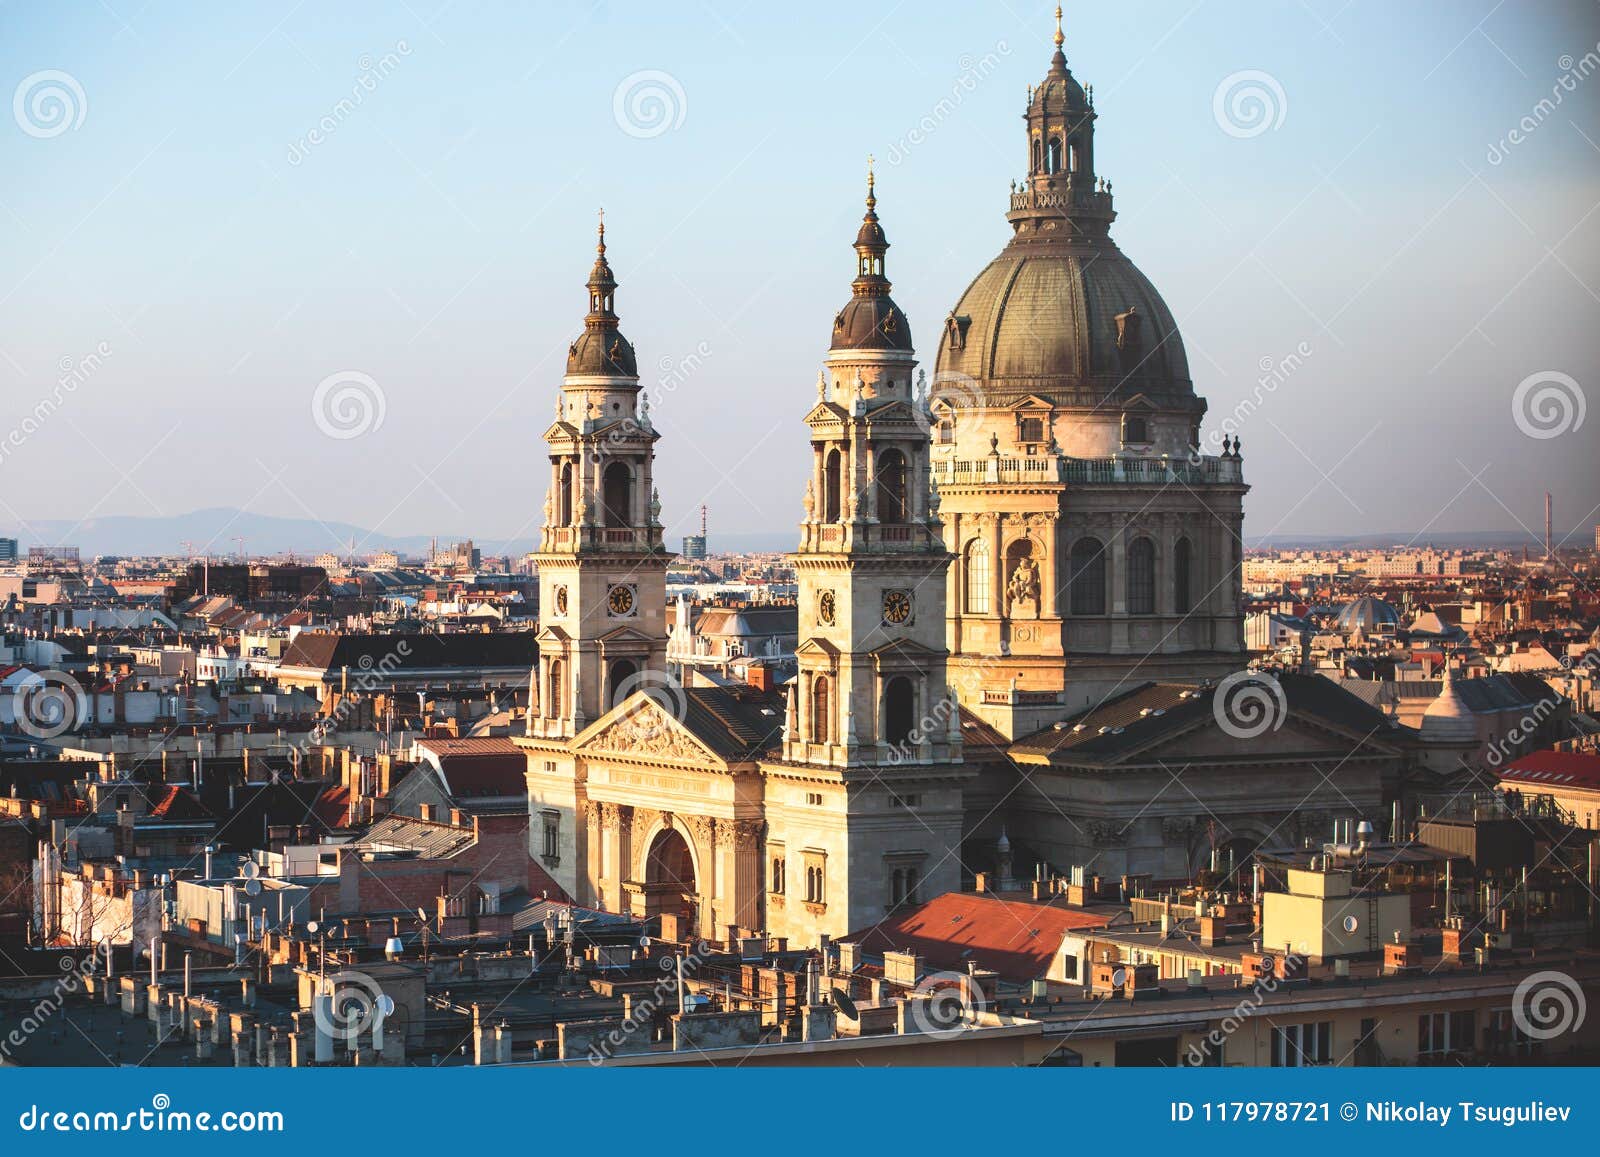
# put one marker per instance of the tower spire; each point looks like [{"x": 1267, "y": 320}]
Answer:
[
  {"x": 872, "y": 197},
  {"x": 1060, "y": 39}
]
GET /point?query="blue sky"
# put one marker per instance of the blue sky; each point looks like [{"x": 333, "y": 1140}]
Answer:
[{"x": 215, "y": 266}]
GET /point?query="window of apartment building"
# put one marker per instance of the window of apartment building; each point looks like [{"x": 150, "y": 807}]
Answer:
[
  {"x": 1502, "y": 1037},
  {"x": 1299, "y": 1045},
  {"x": 778, "y": 883},
  {"x": 1443, "y": 1034},
  {"x": 814, "y": 798}
]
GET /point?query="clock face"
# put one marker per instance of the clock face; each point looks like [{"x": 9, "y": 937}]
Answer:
[
  {"x": 620, "y": 600},
  {"x": 896, "y": 606},
  {"x": 826, "y": 608},
  {"x": 561, "y": 600}
]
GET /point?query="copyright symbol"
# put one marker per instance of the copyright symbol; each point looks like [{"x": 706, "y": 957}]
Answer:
[{"x": 1347, "y": 1111}]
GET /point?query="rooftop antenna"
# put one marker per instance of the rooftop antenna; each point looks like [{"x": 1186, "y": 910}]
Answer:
[{"x": 239, "y": 538}]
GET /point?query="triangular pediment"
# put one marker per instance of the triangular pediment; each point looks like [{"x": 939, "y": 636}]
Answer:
[
  {"x": 824, "y": 413},
  {"x": 1033, "y": 402},
  {"x": 895, "y": 410},
  {"x": 561, "y": 432},
  {"x": 640, "y": 727},
  {"x": 553, "y": 634},
  {"x": 902, "y": 648},
  {"x": 817, "y": 646},
  {"x": 1301, "y": 734},
  {"x": 625, "y": 636}
]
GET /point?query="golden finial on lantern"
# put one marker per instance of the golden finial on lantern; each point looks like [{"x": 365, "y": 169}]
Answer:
[
  {"x": 1060, "y": 39},
  {"x": 872, "y": 197}
]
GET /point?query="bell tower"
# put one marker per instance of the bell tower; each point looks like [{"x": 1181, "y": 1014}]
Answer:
[
  {"x": 864, "y": 807},
  {"x": 871, "y": 562},
  {"x": 602, "y": 567}
]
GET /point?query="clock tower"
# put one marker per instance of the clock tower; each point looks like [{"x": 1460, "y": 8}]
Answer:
[
  {"x": 602, "y": 568},
  {"x": 867, "y": 794}
]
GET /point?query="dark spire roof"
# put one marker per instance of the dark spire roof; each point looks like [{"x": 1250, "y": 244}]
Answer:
[
  {"x": 601, "y": 349},
  {"x": 871, "y": 319}
]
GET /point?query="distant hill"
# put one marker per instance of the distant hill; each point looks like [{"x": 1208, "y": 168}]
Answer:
[{"x": 213, "y": 531}]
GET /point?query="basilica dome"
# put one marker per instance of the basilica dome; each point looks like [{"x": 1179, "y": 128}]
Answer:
[{"x": 1061, "y": 312}]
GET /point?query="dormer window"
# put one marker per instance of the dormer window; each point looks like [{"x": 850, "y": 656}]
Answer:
[
  {"x": 1030, "y": 430},
  {"x": 1135, "y": 430}
]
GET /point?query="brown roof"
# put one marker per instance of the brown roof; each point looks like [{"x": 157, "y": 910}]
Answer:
[{"x": 1015, "y": 938}]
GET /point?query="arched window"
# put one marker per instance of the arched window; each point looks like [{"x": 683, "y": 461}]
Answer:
[
  {"x": 1077, "y": 162},
  {"x": 618, "y": 486},
  {"x": 899, "y": 709},
  {"x": 821, "y": 711},
  {"x": 557, "y": 699},
  {"x": 830, "y": 486},
  {"x": 1142, "y": 577},
  {"x": 564, "y": 499},
  {"x": 1055, "y": 155},
  {"x": 777, "y": 875},
  {"x": 1180, "y": 577},
  {"x": 1035, "y": 154},
  {"x": 1088, "y": 577},
  {"x": 892, "y": 487},
  {"x": 975, "y": 573},
  {"x": 623, "y": 675}
]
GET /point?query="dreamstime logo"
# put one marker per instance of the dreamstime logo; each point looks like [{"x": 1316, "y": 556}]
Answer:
[
  {"x": 1249, "y": 103},
  {"x": 1248, "y": 704},
  {"x": 664, "y": 701},
  {"x": 944, "y": 1004},
  {"x": 351, "y": 1008},
  {"x": 649, "y": 103},
  {"x": 47, "y": 704},
  {"x": 1548, "y": 404},
  {"x": 1547, "y": 1005},
  {"x": 348, "y": 404},
  {"x": 47, "y": 104}
]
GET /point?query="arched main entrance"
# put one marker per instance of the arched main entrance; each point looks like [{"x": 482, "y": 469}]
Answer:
[{"x": 669, "y": 877}]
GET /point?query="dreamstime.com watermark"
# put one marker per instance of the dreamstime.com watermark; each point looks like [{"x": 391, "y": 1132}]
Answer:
[
  {"x": 972, "y": 74},
  {"x": 373, "y": 73},
  {"x": 1573, "y": 72},
  {"x": 1274, "y": 373},
  {"x": 642, "y": 1012},
  {"x": 1203, "y": 1050},
  {"x": 159, "y": 1117},
  {"x": 74, "y": 972},
  {"x": 72, "y": 373},
  {"x": 371, "y": 677}
]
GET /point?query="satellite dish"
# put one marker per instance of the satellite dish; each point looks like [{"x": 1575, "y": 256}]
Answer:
[
  {"x": 252, "y": 887},
  {"x": 385, "y": 1004},
  {"x": 1351, "y": 923},
  {"x": 644, "y": 942},
  {"x": 422, "y": 914},
  {"x": 250, "y": 870},
  {"x": 842, "y": 1002},
  {"x": 312, "y": 926}
]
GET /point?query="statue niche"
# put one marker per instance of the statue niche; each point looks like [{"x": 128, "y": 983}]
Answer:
[{"x": 1022, "y": 587}]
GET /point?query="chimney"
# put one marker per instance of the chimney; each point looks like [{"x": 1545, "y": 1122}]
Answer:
[
  {"x": 759, "y": 676},
  {"x": 458, "y": 818}
]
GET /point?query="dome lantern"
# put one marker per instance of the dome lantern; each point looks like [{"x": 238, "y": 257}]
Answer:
[
  {"x": 871, "y": 320},
  {"x": 601, "y": 349}
]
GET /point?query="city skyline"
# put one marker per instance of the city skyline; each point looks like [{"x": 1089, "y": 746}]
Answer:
[{"x": 708, "y": 326}]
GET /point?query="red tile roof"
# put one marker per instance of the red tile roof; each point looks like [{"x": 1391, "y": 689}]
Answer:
[
  {"x": 1554, "y": 769},
  {"x": 1015, "y": 938}
]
